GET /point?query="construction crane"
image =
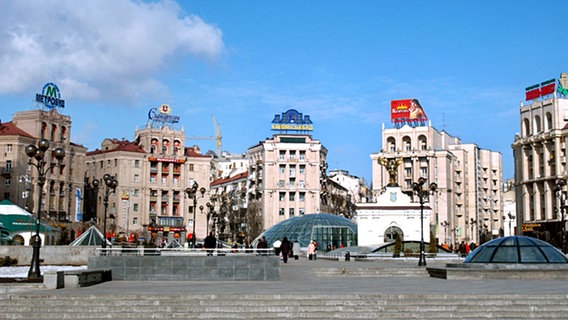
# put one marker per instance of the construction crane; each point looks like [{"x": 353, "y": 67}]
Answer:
[{"x": 217, "y": 137}]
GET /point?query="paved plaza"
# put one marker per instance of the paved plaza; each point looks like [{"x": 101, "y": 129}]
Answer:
[{"x": 300, "y": 277}]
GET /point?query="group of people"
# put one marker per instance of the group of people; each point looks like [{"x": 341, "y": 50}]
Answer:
[
  {"x": 462, "y": 248},
  {"x": 283, "y": 248}
]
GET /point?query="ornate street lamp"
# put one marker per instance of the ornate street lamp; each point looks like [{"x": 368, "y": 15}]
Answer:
[
  {"x": 111, "y": 183},
  {"x": 511, "y": 218},
  {"x": 422, "y": 194},
  {"x": 445, "y": 225},
  {"x": 38, "y": 153},
  {"x": 192, "y": 194}
]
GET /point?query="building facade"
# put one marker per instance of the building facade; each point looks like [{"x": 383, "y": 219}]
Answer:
[
  {"x": 286, "y": 172},
  {"x": 467, "y": 205},
  {"x": 154, "y": 173},
  {"x": 540, "y": 161},
  {"x": 62, "y": 194}
]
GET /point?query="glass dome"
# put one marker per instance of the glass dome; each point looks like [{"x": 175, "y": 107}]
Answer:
[
  {"x": 325, "y": 229},
  {"x": 516, "y": 249}
]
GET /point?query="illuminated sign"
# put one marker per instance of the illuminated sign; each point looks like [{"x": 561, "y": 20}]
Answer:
[
  {"x": 172, "y": 160},
  {"x": 292, "y": 120},
  {"x": 540, "y": 90},
  {"x": 50, "y": 96},
  {"x": 407, "y": 110},
  {"x": 162, "y": 114}
]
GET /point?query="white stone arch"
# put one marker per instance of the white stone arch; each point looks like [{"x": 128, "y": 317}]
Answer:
[{"x": 391, "y": 231}]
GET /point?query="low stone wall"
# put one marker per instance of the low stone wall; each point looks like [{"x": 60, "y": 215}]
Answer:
[
  {"x": 189, "y": 268},
  {"x": 50, "y": 255}
]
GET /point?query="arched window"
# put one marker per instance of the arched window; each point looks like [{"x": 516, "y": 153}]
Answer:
[
  {"x": 407, "y": 143},
  {"x": 526, "y": 127},
  {"x": 423, "y": 142},
  {"x": 537, "y": 125},
  {"x": 391, "y": 232},
  {"x": 548, "y": 123},
  {"x": 391, "y": 144}
]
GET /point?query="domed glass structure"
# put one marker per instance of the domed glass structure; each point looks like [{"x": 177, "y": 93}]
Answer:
[
  {"x": 325, "y": 229},
  {"x": 516, "y": 249}
]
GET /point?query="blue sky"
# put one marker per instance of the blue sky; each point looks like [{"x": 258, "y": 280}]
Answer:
[{"x": 341, "y": 62}]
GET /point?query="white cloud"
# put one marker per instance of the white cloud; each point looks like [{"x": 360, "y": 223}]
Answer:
[{"x": 93, "y": 48}]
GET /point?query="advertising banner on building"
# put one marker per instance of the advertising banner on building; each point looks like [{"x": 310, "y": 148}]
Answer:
[{"x": 407, "y": 110}]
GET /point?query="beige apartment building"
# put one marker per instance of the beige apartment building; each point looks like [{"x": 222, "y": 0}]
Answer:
[
  {"x": 540, "y": 162},
  {"x": 62, "y": 194},
  {"x": 153, "y": 172},
  {"x": 467, "y": 205}
]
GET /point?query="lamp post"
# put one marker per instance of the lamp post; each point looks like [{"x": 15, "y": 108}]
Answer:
[
  {"x": 111, "y": 183},
  {"x": 511, "y": 218},
  {"x": 192, "y": 194},
  {"x": 558, "y": 188},
  {"x": 38, "y": 153},
  {"x": 445, "y": 225},
  {"x": 422, "y": 194}
]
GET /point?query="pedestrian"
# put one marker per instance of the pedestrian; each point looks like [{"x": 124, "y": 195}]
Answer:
[
  {"x": 311, "y": 250},
  {"x": 262, "y": 245},
  {"x": 285, "y": 248},
  {"x": 276, "y": 246},
  {"x": 210, "y": 242},
  {"x": 296, "y": 250}
]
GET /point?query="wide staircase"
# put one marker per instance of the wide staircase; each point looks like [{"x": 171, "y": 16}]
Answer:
[{"x": 333, "y": 305}]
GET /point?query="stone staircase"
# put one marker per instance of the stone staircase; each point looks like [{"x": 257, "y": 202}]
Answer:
[
  {"x": 370, "y": 272},
  {"x": 286, "y": 306}
]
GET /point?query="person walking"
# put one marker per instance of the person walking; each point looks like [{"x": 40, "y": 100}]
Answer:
[
  {"x": 285, "y": 248},
  {"x": 276, "y": 245},
  {"x": 311, "y": 250},
  {"x": 262, "y": 245},
  {"x": 209, "y": 243},
  {"x": 296, "y": 250}
]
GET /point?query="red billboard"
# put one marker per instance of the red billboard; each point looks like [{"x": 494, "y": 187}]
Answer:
[
  {"x": 407, "y": 110},
  {"x": 537, "y": 91}
]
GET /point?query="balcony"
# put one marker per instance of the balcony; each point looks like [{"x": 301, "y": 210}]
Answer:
[{"x": 6, "y": 172}]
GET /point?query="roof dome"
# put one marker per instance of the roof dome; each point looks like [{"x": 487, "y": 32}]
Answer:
[
  {"x": 516, "y": 249},
  {"x": 322, "y": 227}
]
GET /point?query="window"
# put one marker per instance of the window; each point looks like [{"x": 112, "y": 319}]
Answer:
[
  {"x": 8, "y": 148},
  {"x": 153, "y": 178},
  {"x": 135, "y": 207},
  {"x": 136, "y": 163},
  {"x": 281, "y": 196},
  {"x": 108, "y": 163},
  {"x": 115, "y": 163},
  {"x": 281, "y": 183},
  {"x": 424, "y": 171},
  {"x": 7, "y": 182},
  {"x": 292, "y": 171},
  {"x": 292, "y": 196},
  {"x": 164, "y": 179},
  {"x": 134, "y": 221},
  {"x": 282, "y": 168},
  {"x": 301, "y": 184},
  {"x": 302, "y": 196},
  {"x": 176, "y": 181},
  {"x": 136, "y": 178},
  {"x": 282, "y": 155},
  {"x": 101, "y": 163},
  {"x": 291, "y": 211},
  {"x": 408, "y": 172},
  {"x": 302, "y": 211},
  {"x": 292, "y": 154},
  {"x": 136, "y": 192},
  {"x": 302, "y": 155},
  {"x": 281, "y": 211},
  {"x": 302, "y": 169},
  {"x": 292, "y": 182},
  {"x": 191, "y": 167}
]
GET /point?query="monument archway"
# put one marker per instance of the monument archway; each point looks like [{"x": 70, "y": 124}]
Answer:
[{"x": 391, "y": 232}]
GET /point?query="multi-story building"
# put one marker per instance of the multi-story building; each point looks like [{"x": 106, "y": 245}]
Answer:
[
  {"x": 227, "y": 211},
  {"x": 540, "y": 161},
  {"x": 153, "y": 172},
  {"x": 467, "y": 205},
  {"x": 286, "y": 171},
  {"x": 61, "y": 197}
]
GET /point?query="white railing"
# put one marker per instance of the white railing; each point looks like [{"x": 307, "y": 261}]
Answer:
[{"x": 181, "y": 251}]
